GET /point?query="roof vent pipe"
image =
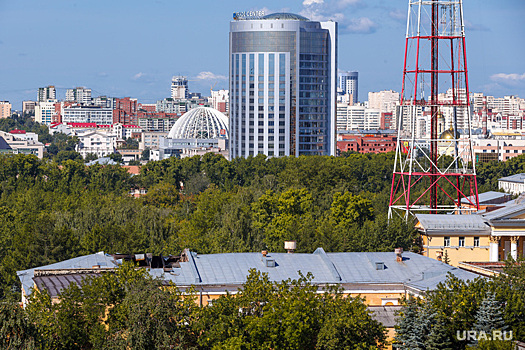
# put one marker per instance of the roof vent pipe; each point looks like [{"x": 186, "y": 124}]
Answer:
[{"x": 290, "y": 246}]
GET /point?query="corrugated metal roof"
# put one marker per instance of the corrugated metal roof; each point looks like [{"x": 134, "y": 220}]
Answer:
[
  {"x": 387, "y": 315},
  {"x": 80, "y": 262},
  {"x": 485, "y": 197},
  {"x": 508, "y": 210},
  {"x": 56, "y": 283},
  {"x": 518, "y": 178},
  {"x": 452, "y": 222}
]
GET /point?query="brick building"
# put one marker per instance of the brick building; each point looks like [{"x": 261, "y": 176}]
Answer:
[{"x": 371, "y": 142}]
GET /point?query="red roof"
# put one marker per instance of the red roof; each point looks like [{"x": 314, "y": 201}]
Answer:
[
  {"x": 82, "y": 125},
  {"x": 17, "y": 131},
  {"x": 54, "y": 125},
  {"x": 104, "y": 126}
]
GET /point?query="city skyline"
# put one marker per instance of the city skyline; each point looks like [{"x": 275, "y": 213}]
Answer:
[{"x": 133, "y": 48}]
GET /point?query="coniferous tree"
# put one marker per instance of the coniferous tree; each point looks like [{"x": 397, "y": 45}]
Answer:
[
  {"x": 407, "y": 328},
  {"x": 490, "y": 315},
  {"x": 438, "y": 339},
  {"x": 446, "y": 259}
]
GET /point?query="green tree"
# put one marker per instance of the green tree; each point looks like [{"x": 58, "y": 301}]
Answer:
[
  {"x": 490, "y": 315},
  {"x": 16, "y": 330}
]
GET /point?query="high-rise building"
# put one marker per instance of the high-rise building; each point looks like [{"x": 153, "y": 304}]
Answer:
[
  {"x": 79, "y": 94},
  {"x": 220, "y": 100},
  {"x": 385, "y": 100},
  {"x": 46, "y": 93},
  {"x": 28, "y": 107},
  {"x": 283, "y": 72},
  {"x": 46, "y": 112},
  {"x": 5, "y": 109},
  {"x": 348, "y": 83},
  {"x": 179, "y": 88}
]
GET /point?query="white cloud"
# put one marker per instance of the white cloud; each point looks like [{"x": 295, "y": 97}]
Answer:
[
  {"x": 138, "y": 76},
  {"x": 311, "y": 2},
  {"x": 475, "y": 27},
  {"x": 398, "y": 15},
  {"x": 210, "y": 76},
  {"x": 362, "y": 25},
  {"x": 508, "y": 78},
  {"x": 344, "y": 3}
]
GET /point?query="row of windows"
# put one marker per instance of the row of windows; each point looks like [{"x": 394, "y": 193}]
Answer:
[{"x": 461, "y": 242}]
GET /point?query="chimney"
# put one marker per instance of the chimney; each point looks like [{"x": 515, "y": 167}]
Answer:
[
  {"x": 399, "y": 254},
  {"x": 264, "y": 252},
  {"x": 290, "y": 246}
]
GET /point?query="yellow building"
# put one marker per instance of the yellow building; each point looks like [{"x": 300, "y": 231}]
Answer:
[{"x": 492, "y": 235}]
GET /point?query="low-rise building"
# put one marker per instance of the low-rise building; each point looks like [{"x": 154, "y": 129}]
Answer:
[
  {"x": 491, "y": 235},
  {"x": 381, "y": 278},
  {"x": 514, "y": 184},
  {"x": 373, "y": 141},
  {"x": 24, "y": 146},
  {"x": 96, "y": 142}
]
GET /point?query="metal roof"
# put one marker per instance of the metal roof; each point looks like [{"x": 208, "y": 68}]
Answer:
[
  {"x": 56, "y": 283},
  {"x": 229, "y": 270},
  {"x": 506, "y": 212},
  {"x": 387, "y": 315},
  {"x": 485, "y": 197},
  {"x": 517, "y": 178},
  {"x": 85, "y": 261},
  {"x": 444, "y": 222},
  {"x": 336, "y": 268}
]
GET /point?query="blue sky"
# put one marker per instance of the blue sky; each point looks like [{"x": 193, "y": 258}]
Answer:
[{"x": 133, "y": 47}]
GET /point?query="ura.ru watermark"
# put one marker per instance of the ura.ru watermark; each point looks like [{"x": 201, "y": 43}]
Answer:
[{"x": 482, "y": 335}]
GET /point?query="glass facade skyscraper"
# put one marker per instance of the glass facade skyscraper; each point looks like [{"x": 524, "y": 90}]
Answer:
[{"x": 283, "y": 72}]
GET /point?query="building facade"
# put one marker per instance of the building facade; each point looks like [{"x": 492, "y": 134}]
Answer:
[
  {"x": 283, "y": 71},
  {"x": 100, "y": 143},
  {"x": 85, "y": 114},
  {"x": 46, "y": 93},
  {"x": 79, "y": 94},
  {"x": 179, "y": 88},
  {"x": 5, "y": 109},
  {"x": 373, "y": 142},
  {"x": 349, "y": 83}
]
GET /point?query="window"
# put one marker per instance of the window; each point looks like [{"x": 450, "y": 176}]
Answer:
[
  {"x": 476, "y": 241},
  {"x": 446, "y": 241},
  {"x": 461, "y": 241}
]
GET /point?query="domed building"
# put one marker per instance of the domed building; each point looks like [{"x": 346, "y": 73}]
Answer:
[
  {"x": 200, "y": 123},
  {"x": 200, "y": 130}
]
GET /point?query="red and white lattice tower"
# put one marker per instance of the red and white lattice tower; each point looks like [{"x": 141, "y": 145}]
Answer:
[{"x": 434, "y": 165}]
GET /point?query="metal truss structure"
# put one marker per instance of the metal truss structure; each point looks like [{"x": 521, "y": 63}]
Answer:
[{"x": 434, "y": 163}]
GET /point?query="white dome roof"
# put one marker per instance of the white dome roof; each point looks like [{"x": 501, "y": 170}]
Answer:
[{"x": 200, "y": 123}]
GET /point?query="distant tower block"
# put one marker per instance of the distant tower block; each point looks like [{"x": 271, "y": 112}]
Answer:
[{"x": 434, "y": 172}]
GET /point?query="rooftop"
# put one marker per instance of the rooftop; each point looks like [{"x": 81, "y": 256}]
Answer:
[
  {"x": 518, "y": 178},
  {"x": 285, "y": 16},
  {"x": 486, "y": 197},
  {"x": 228, "y": 271}
]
